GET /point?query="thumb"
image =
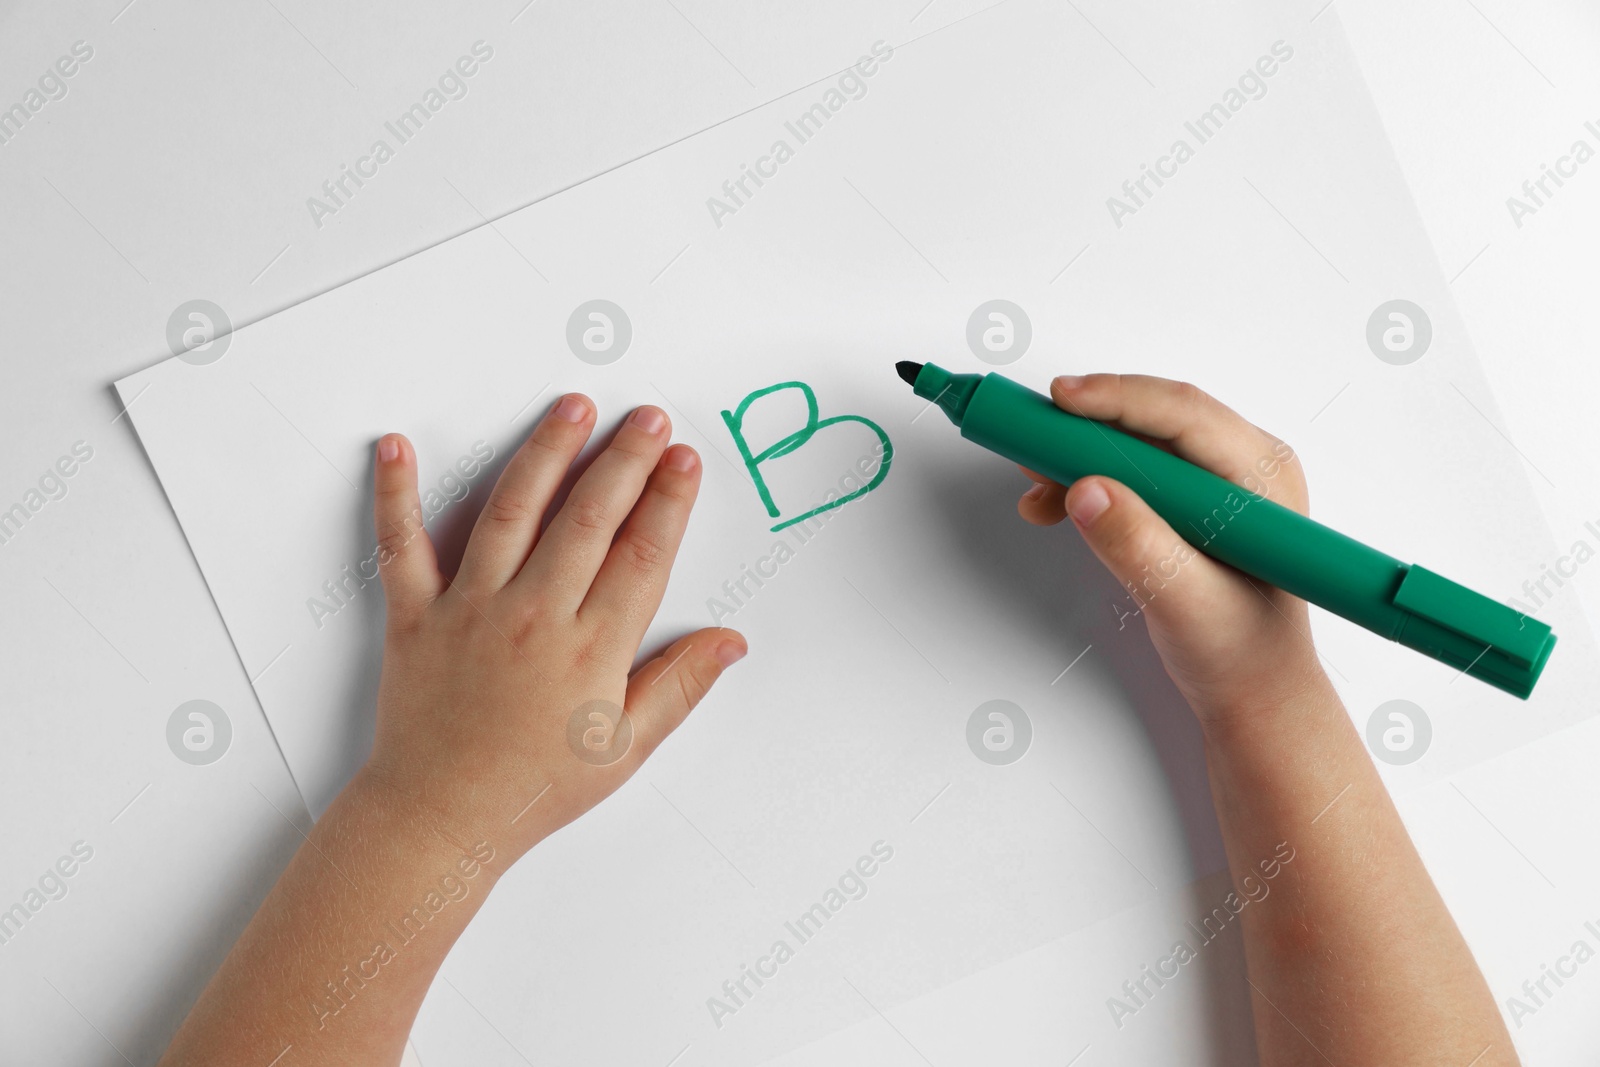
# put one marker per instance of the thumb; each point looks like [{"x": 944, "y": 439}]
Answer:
[
  {"x": 406, "y": 561},
  {"x": 663, "y": 692},
  {"x": 1164, "y": 575}
]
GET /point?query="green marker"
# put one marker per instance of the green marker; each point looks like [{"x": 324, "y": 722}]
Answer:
[{"x": 1405, "y": 603}]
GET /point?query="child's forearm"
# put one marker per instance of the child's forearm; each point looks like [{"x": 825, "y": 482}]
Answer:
[
  {"x": 332, "y": 968},
  {"x": 1352, "y": 954}
]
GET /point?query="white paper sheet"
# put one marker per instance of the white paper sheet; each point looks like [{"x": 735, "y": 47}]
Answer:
[{"x": 976, "y": 164}]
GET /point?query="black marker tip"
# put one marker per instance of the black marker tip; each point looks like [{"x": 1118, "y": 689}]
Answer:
[{"x": 908, "y": 371}]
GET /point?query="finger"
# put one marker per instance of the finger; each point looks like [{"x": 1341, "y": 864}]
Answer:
[
  {"x": 508, "y": 526},
  {"x": 1033, "y": 474},
  {"x": 631, "y": 582},
  {"x": 663, "y": 692},
  {"x": 1192, "y": 423},
  {"x": 564, "y": 563},
  {"x": 406, "y": 562},
  {"x": 1044, "y": 504},
  {"x": 1164, "y": 574}
]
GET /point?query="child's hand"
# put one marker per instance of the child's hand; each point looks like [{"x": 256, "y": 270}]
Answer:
[
  {"x": 483, "y": 676},
  {"x": 1231, "y": 644}
]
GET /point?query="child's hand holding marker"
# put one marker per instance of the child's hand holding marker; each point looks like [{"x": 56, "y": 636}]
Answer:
[
  {"x": 1231, "y": 643},
  {"x": 1352, "y": 957},
  {"x": 500, "y": 720},
  {"x": 1229, "y": 515}
]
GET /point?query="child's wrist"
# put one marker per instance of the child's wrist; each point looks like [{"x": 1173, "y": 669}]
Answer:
[
  {"x": 1292, "y": 696},
  {"x": 421, "y": 832}
]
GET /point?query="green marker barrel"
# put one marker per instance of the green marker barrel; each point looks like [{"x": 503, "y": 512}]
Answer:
[{"x": 1404, "y": 603}]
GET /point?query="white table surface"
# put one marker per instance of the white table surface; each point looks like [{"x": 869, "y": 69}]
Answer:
[{"x": 134, "y": 193}]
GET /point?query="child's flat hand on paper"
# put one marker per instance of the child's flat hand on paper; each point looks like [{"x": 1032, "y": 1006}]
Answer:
[
  {"x": 1229, "y": 642},
  {"x": 483, "y": 676},
  {"x": 481, "y": 747}
]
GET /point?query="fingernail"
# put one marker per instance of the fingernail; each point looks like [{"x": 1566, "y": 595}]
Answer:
[
  {"x": 1089, "y": 503},
  {"x": 388, "y": 450},
  {"x": 1069, "y": 381},
  {"x": 1036, "y": 492},
  {"x": 680, "y": 458},
  {"x": 729, "y": 653},
  {"x": 571, "y": 409},
  {"x": 650, "y": 420}
]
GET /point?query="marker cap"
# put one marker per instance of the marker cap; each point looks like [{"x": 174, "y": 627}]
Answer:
[{"x": 1482, "y": 637}]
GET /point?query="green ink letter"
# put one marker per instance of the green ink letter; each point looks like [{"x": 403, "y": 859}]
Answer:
[{"x": 753, "y": 461}]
